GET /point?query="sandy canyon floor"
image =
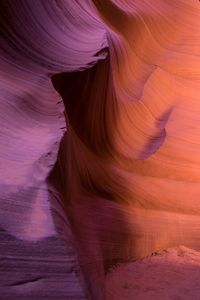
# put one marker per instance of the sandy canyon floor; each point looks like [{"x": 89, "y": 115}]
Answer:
[{"x": 173, "y": 274}]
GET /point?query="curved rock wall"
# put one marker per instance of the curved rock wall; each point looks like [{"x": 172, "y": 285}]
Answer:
[{"x": 127, "y": 169}]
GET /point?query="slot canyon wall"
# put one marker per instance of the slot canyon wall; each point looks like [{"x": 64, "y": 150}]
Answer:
[{"x": 99, "y": 127}]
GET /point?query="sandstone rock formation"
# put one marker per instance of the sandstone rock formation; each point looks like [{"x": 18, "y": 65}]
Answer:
[{"x": 100, "y": 129}]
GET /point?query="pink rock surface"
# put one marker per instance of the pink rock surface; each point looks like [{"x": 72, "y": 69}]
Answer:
[{"x": 126, "y": 176}]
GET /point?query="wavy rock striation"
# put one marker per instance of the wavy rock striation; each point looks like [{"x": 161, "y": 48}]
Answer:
[{"x": 124, "y": 181}]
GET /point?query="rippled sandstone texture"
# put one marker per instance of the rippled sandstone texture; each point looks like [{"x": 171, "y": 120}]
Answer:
[{"x": 127, "y": 169}]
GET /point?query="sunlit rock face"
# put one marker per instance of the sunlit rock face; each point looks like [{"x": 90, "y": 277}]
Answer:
[{"x": 127, "y": 169}]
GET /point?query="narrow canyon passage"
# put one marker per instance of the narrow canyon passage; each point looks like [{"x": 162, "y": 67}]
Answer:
[{"x": 99, "y": 134}]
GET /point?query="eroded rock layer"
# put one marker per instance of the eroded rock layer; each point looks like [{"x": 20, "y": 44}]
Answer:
[{"x": 126, "y": 181}]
